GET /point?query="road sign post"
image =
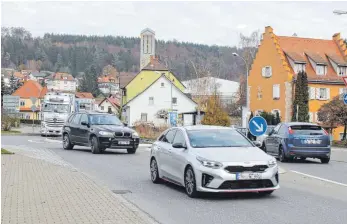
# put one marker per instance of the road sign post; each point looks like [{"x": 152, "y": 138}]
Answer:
[
  {"x": 257, "y": 126},
  {"x": 33, "y": 109}
]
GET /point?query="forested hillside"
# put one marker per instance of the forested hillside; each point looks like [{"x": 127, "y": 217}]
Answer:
[{"x": 76, "y": 53}]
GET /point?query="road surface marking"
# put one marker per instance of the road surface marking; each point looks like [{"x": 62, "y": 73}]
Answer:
[
  {"x": 319, "y": 178},
  {"x": 52, "y": 140},
  {"x": 33, "y": 141}
]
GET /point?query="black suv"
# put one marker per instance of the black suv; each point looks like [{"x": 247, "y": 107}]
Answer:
[{"x": 99, "y": 131}]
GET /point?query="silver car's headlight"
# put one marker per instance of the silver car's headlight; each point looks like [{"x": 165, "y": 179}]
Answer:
[
  {"x": 209, "y": 163},
  {"x": 135, "y": 134},
  {"x": 106, "y": 133},
  {"x": 272, "y": 162}
]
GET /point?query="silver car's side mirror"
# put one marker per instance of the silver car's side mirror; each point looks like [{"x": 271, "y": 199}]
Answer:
[{"x": 257, "y": 143}]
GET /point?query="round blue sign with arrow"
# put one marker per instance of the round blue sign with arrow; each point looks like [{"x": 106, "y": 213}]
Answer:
[
  {"x": 345, "y": 98},
  {"x": 257, "y": 126}
]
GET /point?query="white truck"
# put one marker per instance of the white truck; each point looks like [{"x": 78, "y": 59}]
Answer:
[{"x": 55, "y": 109}]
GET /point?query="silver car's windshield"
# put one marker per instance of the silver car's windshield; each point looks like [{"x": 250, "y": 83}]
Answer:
[{"x": 217, "y": 138}]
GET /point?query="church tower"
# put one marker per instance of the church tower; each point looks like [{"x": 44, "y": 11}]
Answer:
[{"x": 147, "y": 47}]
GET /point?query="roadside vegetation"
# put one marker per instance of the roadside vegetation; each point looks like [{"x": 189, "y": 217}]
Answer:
[{"x": 4, "y": 151}]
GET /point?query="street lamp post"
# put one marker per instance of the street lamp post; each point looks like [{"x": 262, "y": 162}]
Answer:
[{"x": 244, "y": 123}]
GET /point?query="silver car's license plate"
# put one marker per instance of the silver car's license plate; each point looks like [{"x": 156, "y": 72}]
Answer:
[
  {"x": 248, "y": 176},
  {"x": 123, "y": 142}
]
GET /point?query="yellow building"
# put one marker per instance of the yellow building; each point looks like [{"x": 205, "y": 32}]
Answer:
[
  {"x": 280, "y": 58},
  {"x": 30, "y": 89}
]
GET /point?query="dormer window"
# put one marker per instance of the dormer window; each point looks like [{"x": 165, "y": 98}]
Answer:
[
  {"x": 321, "y": 69},
  {"x": 299, "y": 67},
  {"x": 342, "y": 71}
]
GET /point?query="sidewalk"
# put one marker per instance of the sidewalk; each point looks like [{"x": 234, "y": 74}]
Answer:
[
  {"x": 36, "y": 191},
  {"x": 27, "y": 129}
]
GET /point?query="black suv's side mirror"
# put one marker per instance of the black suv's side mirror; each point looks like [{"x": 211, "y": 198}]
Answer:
[
  {"x": 84, "y": 123},
  {"x": 178, "y": 145},
  {"x": 125, "y": 124}
]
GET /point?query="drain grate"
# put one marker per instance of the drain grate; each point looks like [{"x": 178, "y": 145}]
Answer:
[{"x": 121, "y": 191}]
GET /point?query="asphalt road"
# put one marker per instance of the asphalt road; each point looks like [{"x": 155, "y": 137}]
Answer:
[{"x": 310, "y": 192}]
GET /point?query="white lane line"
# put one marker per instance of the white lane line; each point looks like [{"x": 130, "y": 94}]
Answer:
[
  {"x": 33, "y": 141},
  {"x": 52, "y": 140},
  {"x": 319, "y": 178}
]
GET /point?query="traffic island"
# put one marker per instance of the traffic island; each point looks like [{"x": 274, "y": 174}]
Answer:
[{"x": 4, "y": 151}]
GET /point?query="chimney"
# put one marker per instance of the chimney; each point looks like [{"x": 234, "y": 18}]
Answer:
[
  {"x": 268, "y": 29},
  {"x": 336, "y": 37}
]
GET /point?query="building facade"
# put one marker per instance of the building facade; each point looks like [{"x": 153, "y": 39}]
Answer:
[
  {"x": 278, "y": 61},
  {"x": 63, "y": 82}
]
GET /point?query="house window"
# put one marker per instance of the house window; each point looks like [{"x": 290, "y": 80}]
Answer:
[
  {"x": 316, "y": 116},
  {"x": 299, "y": 67},
  {"x": 320, "y": 69},
  {"x": 258, "y": 112},
  {"x": 22, "y": 103},
  {"x": 276, "y": 91},
  {"x": 64, "y": 77},
  {"x": 174, "y": 100},
  {"x": 144, "y": 117},
  {"x": 162, "y": 84},
  {"x": 267, "y": 71},
  {"x": 102, "y": 107},
  {"x": 323, "y": 93},
  {"x": 151, "y": 100},
  {"x": 342, "y": 71},
  {"x": 109, "y": 109}
]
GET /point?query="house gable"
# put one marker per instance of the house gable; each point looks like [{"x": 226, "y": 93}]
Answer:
[{"x": 262, "y": 88}]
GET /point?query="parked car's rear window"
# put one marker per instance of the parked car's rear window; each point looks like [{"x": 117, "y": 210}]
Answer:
[
  {"x": 217, "y": 138},
  {"x": 307, "y": 130}
]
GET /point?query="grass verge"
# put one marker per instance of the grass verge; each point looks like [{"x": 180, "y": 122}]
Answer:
[
  {"x": 13, "y": 132},
  {"x": 4, "y": 151}
]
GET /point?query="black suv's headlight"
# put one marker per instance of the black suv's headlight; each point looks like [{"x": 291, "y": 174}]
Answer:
[{"x": 106, "y": 133}]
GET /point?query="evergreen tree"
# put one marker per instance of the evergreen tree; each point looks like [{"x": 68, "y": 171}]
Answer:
[
  {"x": 14, "y": 84},
  {"x": 277, "y": 118},
  {"x": 301, "y": 97},
  {"x": 43, "y": 83},
  {"x": 59, "y": 64}
]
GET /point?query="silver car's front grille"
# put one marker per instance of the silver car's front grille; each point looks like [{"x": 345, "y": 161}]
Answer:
[{"x": 240, "y": 169}]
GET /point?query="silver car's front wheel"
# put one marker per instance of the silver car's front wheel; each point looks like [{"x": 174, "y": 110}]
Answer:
[
  {"x": 190, "y": 184},
  {"x": 154, "y": 171}
]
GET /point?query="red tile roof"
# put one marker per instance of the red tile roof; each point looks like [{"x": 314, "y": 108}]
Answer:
[
  {"x": 112, "y": 100},
  {"x": 29, "y": 89},
  {"x": 61, "y": 76},
  {"x": 318, "y": 50},
  {"x": 84, "y": 95},
  {"x": 155, "y": 65}
]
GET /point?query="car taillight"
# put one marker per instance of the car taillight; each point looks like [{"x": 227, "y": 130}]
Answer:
[
  {"x": 290, "y": 131},
  {"x": 326, "y": 133}
]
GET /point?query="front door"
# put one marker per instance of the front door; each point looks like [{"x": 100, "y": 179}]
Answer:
[
  {"x": 178, "y": 162},
  {"x": 83, "y": 130},
  {"x": 165, "y": 154},
  {"x": 74, "y": 128}
]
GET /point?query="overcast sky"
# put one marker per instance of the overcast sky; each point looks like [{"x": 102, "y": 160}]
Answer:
[{"x": 202, "y": 22}]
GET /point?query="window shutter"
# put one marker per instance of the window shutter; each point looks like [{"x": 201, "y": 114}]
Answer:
[
  {"x": 276, "y": 91},
  {"x": 328, "y": 93},
  {"x": 312, "y": 93},
  {"x": 311, "y": 116},
  {"x": 316, "y": 115},
  {"x": 317, "y": 92}
]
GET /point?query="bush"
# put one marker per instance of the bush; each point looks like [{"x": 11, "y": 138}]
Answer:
[
  {"x": 148, "y": 129},
  {"x": 29, "y": 121},
  {"x": 8, "y": 122},
  {"x": 342, "y": 144},
  {"x": 215, "y": 115}
]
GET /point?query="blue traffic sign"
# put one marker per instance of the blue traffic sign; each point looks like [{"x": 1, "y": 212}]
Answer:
[
  {"x": 257, "y": 126},
  {"x": 345, "y": 98}
]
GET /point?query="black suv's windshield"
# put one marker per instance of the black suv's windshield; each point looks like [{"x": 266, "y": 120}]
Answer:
[
  {"x": 217, "y": 138},
  {"x": 102, "y": 119}
]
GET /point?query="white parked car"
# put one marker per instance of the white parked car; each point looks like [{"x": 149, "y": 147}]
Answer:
[{"x": 212, "y": 159}]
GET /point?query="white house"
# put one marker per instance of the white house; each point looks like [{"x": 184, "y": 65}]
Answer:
[
  {"x": 227, "y": 89},
  {"x": 61, "y": 82},
  {"x": 109, "y": 105},
  {"x": 162, "y": 94}
]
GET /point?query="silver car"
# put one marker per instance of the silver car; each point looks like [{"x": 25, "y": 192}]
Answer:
[{"x": 212, "y": 159}]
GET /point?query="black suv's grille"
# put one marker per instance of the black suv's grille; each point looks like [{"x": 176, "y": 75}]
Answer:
[
  {"x": 246, "y": 184},
  {"x": 122, "y": 134},
  {"x": 239, "y": 169}
]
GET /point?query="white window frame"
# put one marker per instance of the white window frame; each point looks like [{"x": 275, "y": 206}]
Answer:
[
  {"x": 174, "y": 103},
  {"x": 266, "y": 71},
  {"x": 274, "y": 89},
  {"x": 327, "y": 94},
  {"x": 312, "y": 93},
  {"x": 22, "y": 103},
  {"x": 144, "y": 117},
  {"x": 298, "y": 67},
  {"x": 342, "y": 70},
  {"x": 151, "y": 101},
  {"x": 310, "y": 114},
  {"x": 321, "y": 69},
  {"x": 162, "y": 85}
]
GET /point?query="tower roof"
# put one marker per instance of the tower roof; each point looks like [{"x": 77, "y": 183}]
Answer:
[{"x": 147, "y": 30}]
